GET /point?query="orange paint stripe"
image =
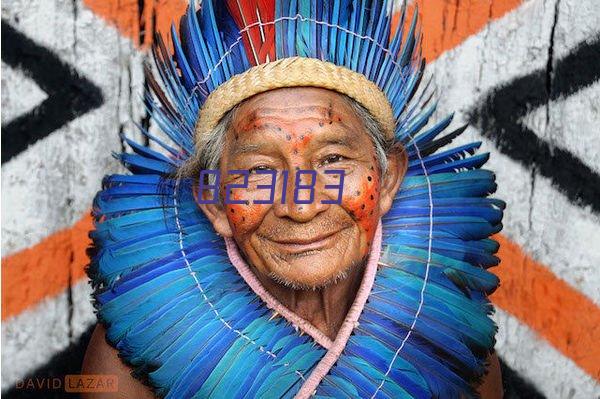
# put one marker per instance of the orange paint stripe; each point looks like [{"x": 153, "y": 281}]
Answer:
[
  {"x": 556, "y": 311},
  {"x": 447, "y": 23},
  {"x": 138, "y": 24},
  {"x": 124, "y": 14},
  {"x": 46, "y": 269}
]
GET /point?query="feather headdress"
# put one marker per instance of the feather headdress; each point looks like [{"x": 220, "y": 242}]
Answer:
[{"x": 179, "y": 311}]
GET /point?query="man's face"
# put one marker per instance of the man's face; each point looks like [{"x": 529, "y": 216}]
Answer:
[{"x": 303, "y": 245}]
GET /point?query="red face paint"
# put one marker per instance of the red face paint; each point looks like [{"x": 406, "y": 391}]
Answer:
[
  {"x": 363, "y": 203},
  {"x": 243, "y": 217}
]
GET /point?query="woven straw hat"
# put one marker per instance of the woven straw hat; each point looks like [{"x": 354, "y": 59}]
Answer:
[{"x": 294, "y": 72}]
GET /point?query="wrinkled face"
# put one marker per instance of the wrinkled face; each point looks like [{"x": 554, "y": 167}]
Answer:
[{"x": 275, "y": 134}]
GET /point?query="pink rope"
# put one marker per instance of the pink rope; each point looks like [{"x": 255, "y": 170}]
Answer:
[
  {"x": 272, "y": 302},
  {"x": 335, "y": 350}
]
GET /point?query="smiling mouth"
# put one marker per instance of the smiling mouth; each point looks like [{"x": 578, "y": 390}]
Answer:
[{"x": 305, "y": 244}]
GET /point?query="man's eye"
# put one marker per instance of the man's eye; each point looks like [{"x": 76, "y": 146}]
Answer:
[
  {"x": 332, "y": 159},
  {"x": 259, "y": 167}
]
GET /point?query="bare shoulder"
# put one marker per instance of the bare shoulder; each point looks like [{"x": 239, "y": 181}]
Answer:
[
  {"x": 101, "y": 358},
  {"x": 491, "y": 386}
]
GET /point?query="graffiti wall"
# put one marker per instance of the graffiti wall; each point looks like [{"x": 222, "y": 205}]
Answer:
[{"x": 525, "y": 75}]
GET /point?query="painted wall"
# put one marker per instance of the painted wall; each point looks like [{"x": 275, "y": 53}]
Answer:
[{"x": 524, "y": 73}]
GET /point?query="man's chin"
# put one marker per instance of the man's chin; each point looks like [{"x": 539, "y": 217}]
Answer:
[
  {"x": 318, "y": 278},
  {"x": 303, "y": 284}
]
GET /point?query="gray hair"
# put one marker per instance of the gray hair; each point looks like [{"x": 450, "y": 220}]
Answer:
[{"x": 209, "y": 157}]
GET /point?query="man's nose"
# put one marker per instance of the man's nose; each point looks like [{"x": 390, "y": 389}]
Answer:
[{"x": 302, "y": 199}]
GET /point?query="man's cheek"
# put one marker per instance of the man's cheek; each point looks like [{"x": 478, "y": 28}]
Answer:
[
  {"x": 245, "y": 217},
  {"x": 361, "y": 200}
]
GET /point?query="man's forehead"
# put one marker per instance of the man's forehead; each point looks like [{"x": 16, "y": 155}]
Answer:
[
  {"x": 292, "y": 111},
  {"x": 293, "y": 104}
]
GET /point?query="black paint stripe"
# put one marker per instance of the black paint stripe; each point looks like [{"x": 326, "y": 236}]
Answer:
[
  {"x": 499, "y": 119},
  {"x": 517, "y": 387},
  {"x": 69, "y": 94}
]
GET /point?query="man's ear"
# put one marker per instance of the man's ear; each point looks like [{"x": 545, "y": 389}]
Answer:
[
  {"x": 215, "y": 213},
  {"x": 390, "y": 184}
]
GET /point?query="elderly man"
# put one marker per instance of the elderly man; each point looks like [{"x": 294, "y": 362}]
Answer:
[{"x": 347, "y": 258}]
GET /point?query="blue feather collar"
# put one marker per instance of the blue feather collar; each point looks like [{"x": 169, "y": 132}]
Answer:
[{"x": 183, "y": 318}]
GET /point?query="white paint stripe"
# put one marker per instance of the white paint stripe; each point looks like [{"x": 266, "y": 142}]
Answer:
[
  {"x": 553, "y": 374},
  {"x": 543, "y": 221},
  {"x": 576, "y": 20},
  {"x": 30, "y": 339},
  {"x": 560, "y": 235},
  {"x": 25, "y": 94},
  {"x": 50, "y": 185},
  {"x": 580, "y": 135}
]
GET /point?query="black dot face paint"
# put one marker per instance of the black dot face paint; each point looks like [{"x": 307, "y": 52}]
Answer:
[
  {"x": 369, "y": 178},
  {"x": 288, "y": 137}
]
